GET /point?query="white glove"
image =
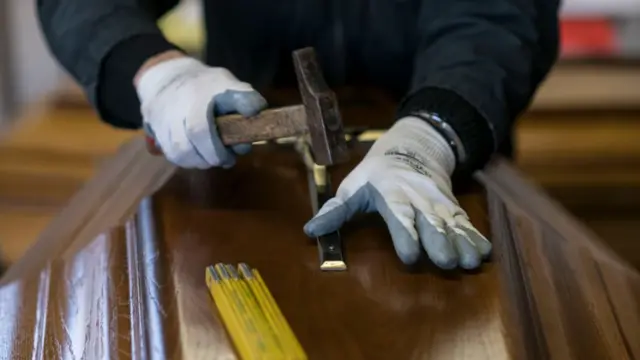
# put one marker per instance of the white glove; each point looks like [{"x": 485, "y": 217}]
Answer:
[
  {"x": 179, "y": 99},
  {"x": 405, "y": 177}
]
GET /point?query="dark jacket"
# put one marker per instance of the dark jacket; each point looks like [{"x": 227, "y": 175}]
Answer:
[{"x": 477, "y": 63}]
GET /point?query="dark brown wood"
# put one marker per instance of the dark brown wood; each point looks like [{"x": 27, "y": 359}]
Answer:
[
  {"x": 103, "y": 284},
  {"x": 107, "y": 200},
  {"x": 257, "y": 218},
  {"x": 572, "y": 296}
]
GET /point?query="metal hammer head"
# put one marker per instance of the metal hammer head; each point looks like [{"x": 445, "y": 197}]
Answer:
[{"x": 326, "y": 133}]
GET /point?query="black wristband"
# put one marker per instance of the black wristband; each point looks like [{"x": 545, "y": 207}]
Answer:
[{"x": 457, "y": 121}]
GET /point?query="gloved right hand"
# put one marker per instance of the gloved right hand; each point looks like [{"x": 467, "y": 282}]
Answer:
[{"x": 179, "y": 101}]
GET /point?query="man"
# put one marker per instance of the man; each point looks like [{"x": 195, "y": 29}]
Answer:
[{"x": 462, "y": 69}]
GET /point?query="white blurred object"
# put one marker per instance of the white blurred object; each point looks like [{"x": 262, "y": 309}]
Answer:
[
  {"x": 35, "y": 73},
  {"x": 622, "y": 8},
  {"x": 190, "y": 10}
]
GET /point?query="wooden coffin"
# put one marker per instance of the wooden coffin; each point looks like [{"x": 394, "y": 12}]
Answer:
[{"x": 119, "y": 274}]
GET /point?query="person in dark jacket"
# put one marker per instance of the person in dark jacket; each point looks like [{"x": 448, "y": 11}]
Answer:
[{"x": 463, "y": 70}]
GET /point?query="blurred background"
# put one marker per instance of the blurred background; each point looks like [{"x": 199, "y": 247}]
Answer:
[{"x": 580, "y": 139}]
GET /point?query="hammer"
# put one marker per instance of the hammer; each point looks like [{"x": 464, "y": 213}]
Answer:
[{"x": 318, "y": 117}]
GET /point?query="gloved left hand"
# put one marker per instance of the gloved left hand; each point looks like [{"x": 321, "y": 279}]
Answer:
[
  {"x": 180, "y": 99},
  {"x": 405, "y": 177}
]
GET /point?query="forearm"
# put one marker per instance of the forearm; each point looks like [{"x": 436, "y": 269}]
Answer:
[
  {"x": 476, "y": 69},
  {"x": 81, "y": 34},
  {"x": 118, "y": 102}
]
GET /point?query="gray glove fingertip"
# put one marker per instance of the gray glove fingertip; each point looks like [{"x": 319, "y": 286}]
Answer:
[
  {"x": 407, "y": 248},
  {"x": 245, "y": 103},
  {"x": 439, "y": 249},
  {"x": 250, "y": 103},
  {"x": 333, "y": 219},
  {"x": 483, "y": 245},
  {"x": 469, "y": 257},
  {"x": 328, "y": 222},
  {"x": 241, "y": 149},
  {"x": 226, "y": 156}
]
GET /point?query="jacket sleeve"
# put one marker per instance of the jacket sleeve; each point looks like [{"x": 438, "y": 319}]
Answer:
[
  {"x": 478, "y": 65},
  {"x": 81, "y": 34}
]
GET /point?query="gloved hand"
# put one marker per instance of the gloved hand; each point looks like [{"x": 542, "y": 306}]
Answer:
[
  {"x": 405, "y": 177},
  {"x": 179, "y": 100}
]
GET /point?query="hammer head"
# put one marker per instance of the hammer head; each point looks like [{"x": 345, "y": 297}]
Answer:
[{"x": 326, "y": 134}]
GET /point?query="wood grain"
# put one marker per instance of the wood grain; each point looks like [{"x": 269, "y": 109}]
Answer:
[
  {"x": 258, "y": 220},
  {"x": 268, "y": 125},
  {"x": 104, "y": 202},
  {"x": 559, "y": 276},
  {"x": 108, "y": 287},
  {"x": 579, "y": 86}
]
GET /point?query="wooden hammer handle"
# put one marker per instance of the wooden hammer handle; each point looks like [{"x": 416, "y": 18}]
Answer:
[{"x": 269, "y": 124}]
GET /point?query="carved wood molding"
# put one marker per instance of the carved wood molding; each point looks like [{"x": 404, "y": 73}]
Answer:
[
  {"x": 108, "y": 199},
  {"x": 105, "y": 301},
  {"x": 570, "y": 295},
  {"x": 97, "y": 285},
  {"x": 584, "y": 86}
]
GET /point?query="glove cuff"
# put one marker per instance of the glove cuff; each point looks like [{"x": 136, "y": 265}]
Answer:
[
  {"x": 157, "y": 77},
  {"x": 413, "y": 136},
  {"x": 473, "y": 130}
]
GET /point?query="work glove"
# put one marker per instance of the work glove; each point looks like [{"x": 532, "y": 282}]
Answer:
[
  {"x": 179, "y": 101},
  {"x": 405, "y": 177}
]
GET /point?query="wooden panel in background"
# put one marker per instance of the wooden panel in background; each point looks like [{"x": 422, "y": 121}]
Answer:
[
  {"x": 51, "y": 152},
  {"x": 590, "y": 162},
  {"x": 45, "y": 158},
  {"x": 147, "y": 282},
  {"x": 574, "y": 296},
  {"x": 621, "y": 231}
]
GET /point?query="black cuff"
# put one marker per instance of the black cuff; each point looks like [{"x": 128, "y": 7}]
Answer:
[
  {"x": 118, "y": 102},
  {"x": 472, "y": 129}
]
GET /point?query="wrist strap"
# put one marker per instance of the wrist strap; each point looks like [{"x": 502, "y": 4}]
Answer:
[{"x": 447, "y": 133}]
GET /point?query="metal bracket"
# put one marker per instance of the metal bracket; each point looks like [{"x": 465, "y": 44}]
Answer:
[{"x": 329, "y": 245}]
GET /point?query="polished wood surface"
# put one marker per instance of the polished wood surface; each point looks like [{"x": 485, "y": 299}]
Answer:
[
  {"x": 570, "y": 295},
  {"x": 48, "y": 155},
  {"x": 346, "y": 315},
  {"x": 257, "y": 219},
  {"x": 122, "y": 276},
  {"x": 108, "y": 199},
  {"x": 111, "y": 279}
]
